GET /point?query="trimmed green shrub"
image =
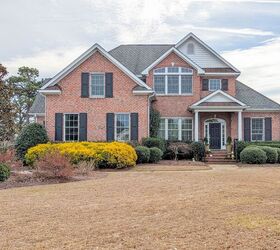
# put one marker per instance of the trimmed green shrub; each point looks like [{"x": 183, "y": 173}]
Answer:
[
  {"x": 253, "y": 155},
  {"x": 278, "y": 151},
  {"x": 30, "y": 136},
  {"x": 271, "y": 154},
  {"x": 151, "y": 142},
  {"x": 198, "y": 149},
  {"x": 240, "y": 146},
  {"x": 5, "y": 172},
  {"x": 143, "y": 154},
  {"x": 155, "y": 155}
]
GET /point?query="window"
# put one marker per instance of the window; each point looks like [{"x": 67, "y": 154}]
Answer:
[
  {"x": 173, "y": 81},
  {"x": 257, "y": 130},
  {"x": 159, "y": 84},
  {"x": 122, "y": 127},
  {"x": 173, "y": 84},
  {"x": 97, "y": 85},
  {"x": 190, "y": 49},
  {"x": 186, "y": 129},
  {"x": 175, "y": 129},
  {"x": 71, "y": 127},
  {"x": 214, "y": 84}
]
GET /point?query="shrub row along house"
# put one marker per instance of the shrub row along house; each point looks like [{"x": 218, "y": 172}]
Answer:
[{"x": 106, "y": 96}]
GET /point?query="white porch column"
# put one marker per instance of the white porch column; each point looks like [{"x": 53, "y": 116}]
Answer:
[
  {"x": 196, "y": 125},
  {"x": 239, "y": 125}
]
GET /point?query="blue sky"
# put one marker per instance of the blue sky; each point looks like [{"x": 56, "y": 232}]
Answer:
[{"x": 49, "y": 34}]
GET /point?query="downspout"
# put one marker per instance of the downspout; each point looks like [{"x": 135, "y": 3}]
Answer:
[{"x": 149, "y": 105}]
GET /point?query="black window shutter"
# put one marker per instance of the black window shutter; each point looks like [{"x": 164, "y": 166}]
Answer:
[
  {"x": 83, "y": 127},
  {"x": 109, "y": 85},
  {"x": 247, "y": 129},
  {"x": 58, "y": 127},
  {"x": 268, "y": 128},
  {"x": 225, "y": 84},
  {"x": 110, "y": 126},
  {"x": 205, "y": 84},
  {"x": 85, "y": 85},
  {"x": 134, "y": 126}
]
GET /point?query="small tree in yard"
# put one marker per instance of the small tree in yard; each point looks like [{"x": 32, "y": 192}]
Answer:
[{"x": 30, "y": 136}]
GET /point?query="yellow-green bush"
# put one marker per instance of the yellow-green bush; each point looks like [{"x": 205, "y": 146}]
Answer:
[{"x": 110, "y": 155}]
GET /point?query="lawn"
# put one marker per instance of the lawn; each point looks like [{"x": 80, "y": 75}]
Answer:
[{"x": 227, "y": 207}]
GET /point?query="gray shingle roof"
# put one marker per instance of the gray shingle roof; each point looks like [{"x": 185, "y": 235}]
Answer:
[
  {"x": 253, "y": 98},
  {"x": 38, "y": 105},
  {"x": 138, "y": 57}
]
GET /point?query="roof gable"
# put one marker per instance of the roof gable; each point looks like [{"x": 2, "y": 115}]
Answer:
[
  {"x": 85, "y": 56},
  {"x": 204, "y": 55},
  {"x": 178, "y": 53}
]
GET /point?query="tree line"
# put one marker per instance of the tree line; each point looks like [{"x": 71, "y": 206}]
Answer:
[{"x": 17, "y": 93}]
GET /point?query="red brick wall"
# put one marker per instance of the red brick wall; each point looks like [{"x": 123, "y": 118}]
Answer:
[{"x": 71, "y": 102}]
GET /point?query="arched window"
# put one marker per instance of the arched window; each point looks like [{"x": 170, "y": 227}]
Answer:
[
  {"x": 173, "y": 81},
  {"x": 190, "y": 49}
]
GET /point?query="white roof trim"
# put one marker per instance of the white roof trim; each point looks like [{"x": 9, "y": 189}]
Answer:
[
  {"x": 215, "y": 93},
  {"x": 219, "y": 109},
  {"x": 180, "y": 54},
  {"x": 207, "y": 47},
  {"x": 49, "y": 91},
  {"x": 86, "y": 55},
  {"x": 142, "y": 92},
  {"x": 38, "y": 114},
  {"x": 222, "y": 74}
]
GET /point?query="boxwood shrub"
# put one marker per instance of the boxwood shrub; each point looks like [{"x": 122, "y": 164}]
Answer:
[
  {"x": 271, "y": 154},
  {"x": 143, "y": 154},
  {"x": 151, "y": 142},
  {"x": 5, "y": 172},
  {"x": 278, "y": 151},
  {"x": 155, "y": 155},
  {"x": 198, "y": 150},
  {"x": 253, "y": 155}
]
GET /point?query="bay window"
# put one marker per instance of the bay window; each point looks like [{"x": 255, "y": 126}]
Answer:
[{"x": 173, "y": 81}]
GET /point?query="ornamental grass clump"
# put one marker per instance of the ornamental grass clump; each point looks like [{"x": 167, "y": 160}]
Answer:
[{"x": 104, "y": 154}]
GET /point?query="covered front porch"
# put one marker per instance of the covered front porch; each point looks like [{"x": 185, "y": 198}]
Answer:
[{"x": 216, "y": 117}]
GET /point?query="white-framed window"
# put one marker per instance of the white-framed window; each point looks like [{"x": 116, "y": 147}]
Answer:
[
  {"x": 214, "y": 84},
  {"x": 122, "y": 127},
  {"x": 97, "y": 85},
  {"x": 190, "y": 49},
  {"x": 71, "y": 127},
  {"x": 176, "y": 129},
  {"x": 173, "y": 81},
  {"x": 257, "y": 129}
]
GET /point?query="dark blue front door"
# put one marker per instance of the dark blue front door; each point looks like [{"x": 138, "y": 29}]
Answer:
[{"x": 215, "y": 135}]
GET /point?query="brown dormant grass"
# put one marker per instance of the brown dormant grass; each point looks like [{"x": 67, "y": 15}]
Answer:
[{"x": 223, "y": 208}]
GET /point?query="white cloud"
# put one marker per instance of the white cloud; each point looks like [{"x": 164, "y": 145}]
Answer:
[
  {"x": 48, "y": 62},
  {"x": 259, "y": 67}
]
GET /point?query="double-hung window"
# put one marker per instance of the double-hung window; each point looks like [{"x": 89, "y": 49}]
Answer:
[
  {"x": 97, "y": 85},
  {"x": 71, "y": 127},
  {"x": 122, "y": 127},
  {"x": 173, "y": 81},
  {"x": 214, "y": 84},
  {"x": 176, "y": 129},
  {"x": 257, "y": 129}
]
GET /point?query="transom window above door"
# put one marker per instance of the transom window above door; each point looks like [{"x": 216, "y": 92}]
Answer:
[
  {"x": 97, "y": 85},
  {"x": 173, "y": 81}
]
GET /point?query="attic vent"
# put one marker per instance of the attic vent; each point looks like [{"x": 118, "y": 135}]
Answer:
[{"x": 190, "y": 49}]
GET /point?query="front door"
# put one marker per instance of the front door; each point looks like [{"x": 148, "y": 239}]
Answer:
[{"x": 215, "y": 135}]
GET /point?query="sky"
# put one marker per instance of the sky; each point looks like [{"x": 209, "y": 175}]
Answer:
[{"x": 49, "y": 34}]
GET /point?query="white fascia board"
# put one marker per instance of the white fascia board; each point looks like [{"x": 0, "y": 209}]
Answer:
[
  {"x": 49, "y": 92},
  {"x": 85, "y": 56},
  {"x": 219, "y": 92},
  {"x": 38, "y": 114},
  {"x": 262, "y": 110},
  {"x": 139, "y": 92},
  {"x": 207, "y": 47},
  {"x": 180, "y": 54},
  {"x": 221, "y": 74},
  {"x": 218, "y": 108}
]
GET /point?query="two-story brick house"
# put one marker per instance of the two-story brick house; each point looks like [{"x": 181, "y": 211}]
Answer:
[{"x": 108, "y": 95}]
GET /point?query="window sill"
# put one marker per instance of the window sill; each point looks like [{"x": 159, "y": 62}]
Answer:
[{"x": 97, "y": 97}]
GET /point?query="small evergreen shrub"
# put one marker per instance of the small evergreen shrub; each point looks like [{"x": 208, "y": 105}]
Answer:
[
  {"x": 253, "y": 155},
  {"x": 271, "y": 154},
  {"x": 30, "y": 136},
  {"x": 5, "y": 172},
  {"x": 239, "y": 148},
  {"x": 143, "y": 154},
  {"x": 155, "y": 155},
  {"x": 151, "y": 142},
  {"x": 198, "y": 150},
  {"x": 278, "y": 151}
]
